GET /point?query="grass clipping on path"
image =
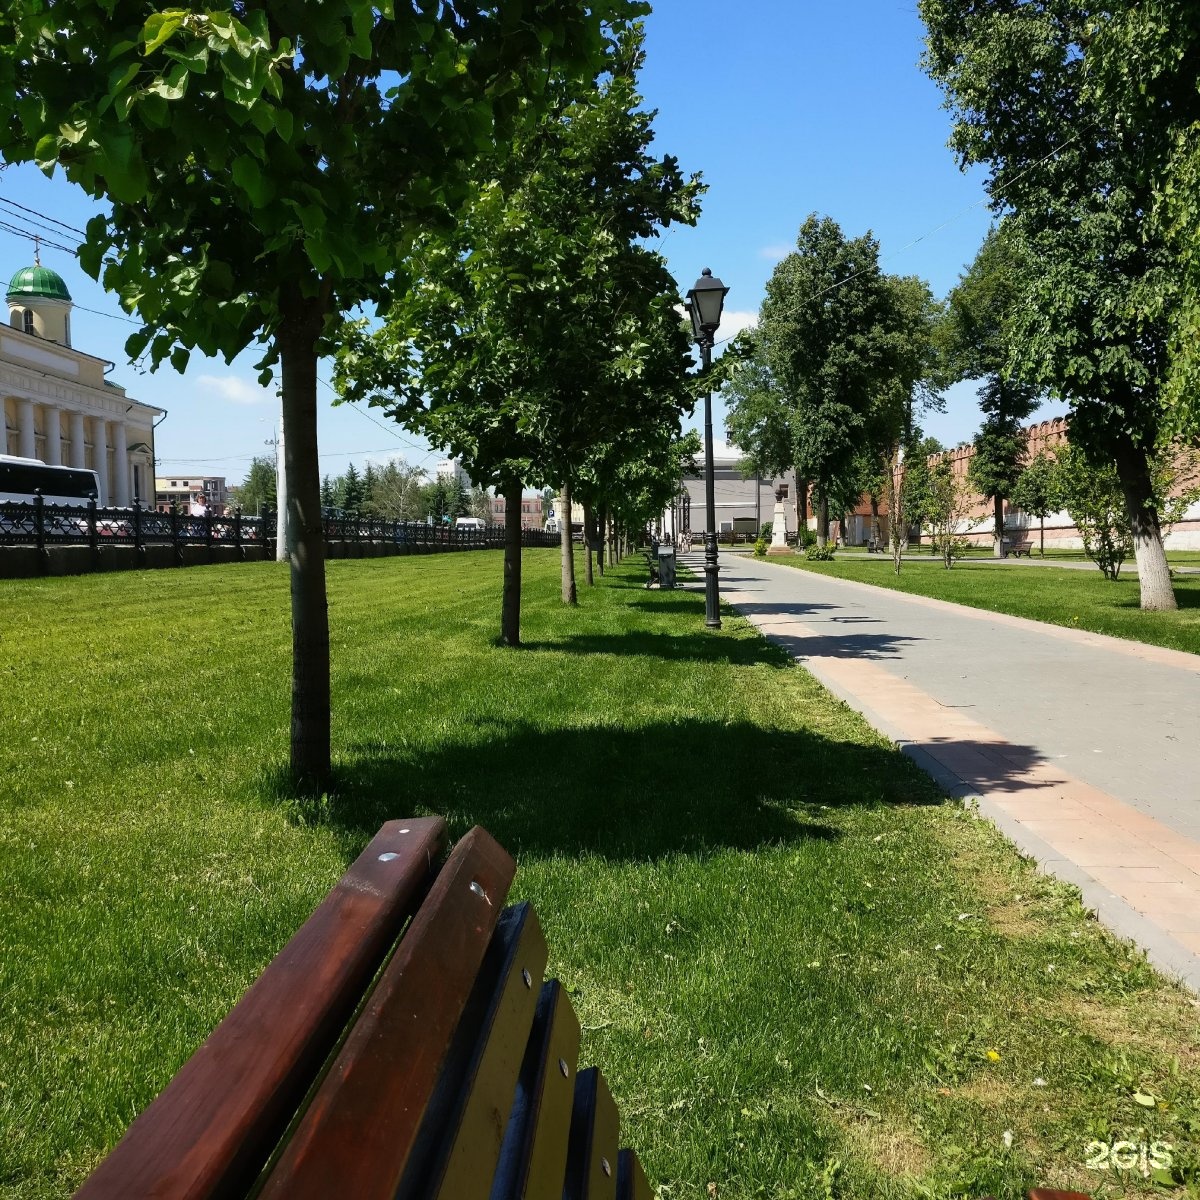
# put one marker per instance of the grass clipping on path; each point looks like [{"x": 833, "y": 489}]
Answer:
[{"x": 802, "y": 973}]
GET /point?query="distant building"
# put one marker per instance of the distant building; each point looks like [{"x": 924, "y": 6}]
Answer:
[
  {"x": 741, "y": 503},
  {"x": 977, "y": 527},
  {"x": 451, "y": 468},
  {"x": 58, "y": 405},
  {"x": 532, "y": 515},
  {"x": 179, "y": 489}
]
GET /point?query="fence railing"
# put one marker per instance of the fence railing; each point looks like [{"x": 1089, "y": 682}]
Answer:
[{"x": 40, "y": 524}]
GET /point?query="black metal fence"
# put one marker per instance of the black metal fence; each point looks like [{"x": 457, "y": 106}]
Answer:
[{"x": 40, "y": 524}]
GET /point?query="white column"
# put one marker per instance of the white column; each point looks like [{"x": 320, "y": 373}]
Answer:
[
  {"x": 53, "y": 435},
  {"x": 121, "y": 455},
  {"x": 26, "y": 437},
  {"x": 100, "y": 449},
  {"x": 78, "y": 441}
]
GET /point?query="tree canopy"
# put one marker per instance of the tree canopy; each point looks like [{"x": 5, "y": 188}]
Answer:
[
  {"x": 1072, "y": 185},
  {"x": 268, "y": 168}
]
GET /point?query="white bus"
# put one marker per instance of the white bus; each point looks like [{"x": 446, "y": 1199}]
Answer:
[{"x": 21, "y": 478}]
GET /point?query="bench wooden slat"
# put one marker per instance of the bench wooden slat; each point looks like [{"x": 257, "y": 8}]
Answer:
[
  {"x": 468, "y": 1121},
  {"x": 360, "y": 1127},
  {"x": 213, "y": 1127},
  {"x": 533, "y": 1159},
  {"x": 632, "y": 1183},
  {"x": 593, "y": 1142}
]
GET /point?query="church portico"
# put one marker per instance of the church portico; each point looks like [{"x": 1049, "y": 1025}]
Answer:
[{"x": 57, "y": 404}]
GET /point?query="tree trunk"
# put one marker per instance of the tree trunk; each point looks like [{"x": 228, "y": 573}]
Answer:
[
  {"x": 1042, "y": 537},
  {"x": 510, "y": 611},
  {"x": 610, "y": 539},
  {"x": 875, "y": 521},
  {"x": 897, "y": 520},
  {"x": 570, "y": 594},
  {"x": 801, "y": 507},
  {"x": 601, "y": 522},
  {"x": 823, "y": 521},
  {"x": 998, "y": 526},
  {"x": 589, "y": 541},
  {"x": 1154, "y": 576},
  {"x": 297, "y": 338}
]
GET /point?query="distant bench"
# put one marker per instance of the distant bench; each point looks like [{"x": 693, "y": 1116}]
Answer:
[
  {"x": 1016, "y": 548},
  {"x": 451, "y": 1075}
]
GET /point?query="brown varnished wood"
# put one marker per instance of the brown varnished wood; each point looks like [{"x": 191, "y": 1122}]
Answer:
[
  {"x": 592, "y": 1145},
  {"x": 495, "y": 1029},
  {"x": 358, "y": 1132},
  {"x": 533, "y": 1159},
  {"x": 1051, "y": 1194},
  {"x": 210, "y": 1131},
  {"x": 632, "y": 1183}
]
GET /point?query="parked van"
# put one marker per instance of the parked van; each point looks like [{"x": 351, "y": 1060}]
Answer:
[{"x": 469, "y": 523}]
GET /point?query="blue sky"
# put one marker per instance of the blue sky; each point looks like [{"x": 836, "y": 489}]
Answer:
[{"x": 787, "y": 107}]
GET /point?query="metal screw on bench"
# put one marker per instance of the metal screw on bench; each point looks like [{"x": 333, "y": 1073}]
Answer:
[{"x": 705, "y": 301}]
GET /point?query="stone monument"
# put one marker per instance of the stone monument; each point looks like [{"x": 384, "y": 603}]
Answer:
[{"x": 779, "y": 524}]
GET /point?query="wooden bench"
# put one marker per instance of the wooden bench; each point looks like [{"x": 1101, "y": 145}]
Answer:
[
  {"x": 402, "y": 1044},
  {"x": 1016, "y": 549}
]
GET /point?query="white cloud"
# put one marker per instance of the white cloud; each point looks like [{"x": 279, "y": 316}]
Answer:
[
  {"x": 733, "y": 322},
  {"x": 237, "y": 391},
  {"x": 775, "y": 252}
]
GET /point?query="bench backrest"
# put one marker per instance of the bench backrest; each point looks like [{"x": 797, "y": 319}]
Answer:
[{"x": 438, "y": 1065}]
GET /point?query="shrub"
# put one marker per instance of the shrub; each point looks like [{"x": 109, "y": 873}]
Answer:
[
  {"x": 815, "y": 553},
  {"x": 760, "y": 547},
  {"x": 808, "y": 537},
  {"x": 764, "y": 534}
]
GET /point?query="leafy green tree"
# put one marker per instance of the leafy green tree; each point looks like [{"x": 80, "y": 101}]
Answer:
[
  {"x": 456, "y": 498},
  {"x": 257, "y": 490},
  {"x": 910, "y": 389},
  {"x": 976, "y": 338},
  {"x": 1037, "y": 492},
  {"x": 1077, "y": 194},
  {"x": 396, "y": 494},
  {"x": 496, "y": 355},
  {"x": 479, "y": 504},
  {"x": 821, "y": 328},
  {"x": 757, "y": 415},
  {"x": 917, "y": 459},
  {"x": 266, "y": 168},
  {"x": 1144, "y": 60},
  {"x": 1092, "y": 494},
  {"x": 945, "y": 505},
  {"x": 351, "y": 493}
]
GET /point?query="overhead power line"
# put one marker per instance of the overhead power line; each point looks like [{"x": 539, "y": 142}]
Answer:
[{"x": 41, "y": 217}]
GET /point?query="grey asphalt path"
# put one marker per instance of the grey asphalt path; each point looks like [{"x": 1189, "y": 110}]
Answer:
[{"x": 1089, "y": 729}]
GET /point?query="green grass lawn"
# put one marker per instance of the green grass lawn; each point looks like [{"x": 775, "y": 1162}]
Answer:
[
  {"x": 804, "y": 974},
  {"x": 1076, "y": 599}
]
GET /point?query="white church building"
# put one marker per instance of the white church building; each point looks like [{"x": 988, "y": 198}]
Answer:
[{"x": 58, "y": 405}]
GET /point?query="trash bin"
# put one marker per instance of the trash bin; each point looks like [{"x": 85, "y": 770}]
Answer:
[{"x": 666, "y": 565}]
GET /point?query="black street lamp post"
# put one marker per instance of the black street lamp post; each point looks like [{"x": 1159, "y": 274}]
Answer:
[{"x": 705, "y": 301}]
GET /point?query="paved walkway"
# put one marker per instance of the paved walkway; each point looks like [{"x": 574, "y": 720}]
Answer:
[{"x": 1082, "y": 748}]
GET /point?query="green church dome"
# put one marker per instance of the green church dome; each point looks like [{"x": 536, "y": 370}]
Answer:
[{"x": 38, "y": 281}]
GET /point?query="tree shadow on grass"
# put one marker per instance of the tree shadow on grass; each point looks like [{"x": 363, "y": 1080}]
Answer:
[
  {"x": 693, "y": 647},
  {"x": 691, "y": 787}
]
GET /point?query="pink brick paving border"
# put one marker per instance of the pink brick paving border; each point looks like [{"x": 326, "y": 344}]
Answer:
[{"x": 1152, "y": 868}]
